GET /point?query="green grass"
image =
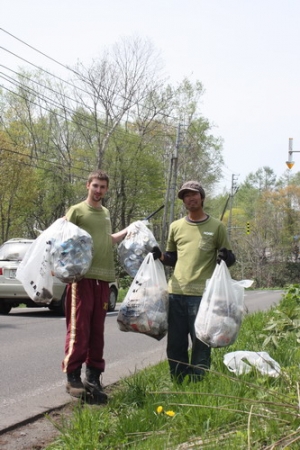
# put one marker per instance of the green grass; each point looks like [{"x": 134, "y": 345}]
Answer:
[
  {"x": 223, "y": 411},
  {"x": 122, "y": 294}
]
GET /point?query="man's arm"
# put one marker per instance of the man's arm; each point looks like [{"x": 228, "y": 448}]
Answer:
[
  {"x": 117, "y": 237},
  {"x": 167, "y": 258}
]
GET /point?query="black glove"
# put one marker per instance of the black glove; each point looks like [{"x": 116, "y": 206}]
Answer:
[
  {"x": 156, "y": 253},
  {"x": 222, "y": 255}
]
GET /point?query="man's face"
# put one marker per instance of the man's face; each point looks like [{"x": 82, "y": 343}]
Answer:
[
  {"x": 192, "y": 200},
  {"x": 97, "y": 189}
]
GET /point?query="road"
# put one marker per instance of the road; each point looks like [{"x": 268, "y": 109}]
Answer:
[{"x": 32, "y": 346}]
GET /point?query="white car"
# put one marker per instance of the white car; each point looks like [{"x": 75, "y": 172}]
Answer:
[{"x": 12, "y": 292}]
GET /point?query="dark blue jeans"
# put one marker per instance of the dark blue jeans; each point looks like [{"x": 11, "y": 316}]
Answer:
[{"x": 182, "y": 314}]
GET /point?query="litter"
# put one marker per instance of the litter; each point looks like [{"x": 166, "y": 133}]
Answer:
[{"x": 244, "y": 361}]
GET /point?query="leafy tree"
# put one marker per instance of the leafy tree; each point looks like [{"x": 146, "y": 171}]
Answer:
[
  {"x": 273, "y": 214},
  {"x": 15, "y": 178}
]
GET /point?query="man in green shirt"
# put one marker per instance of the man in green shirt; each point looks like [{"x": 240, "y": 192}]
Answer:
[
  {"x": 87, "y": 299},
  {"x": 195, "y": 244}
]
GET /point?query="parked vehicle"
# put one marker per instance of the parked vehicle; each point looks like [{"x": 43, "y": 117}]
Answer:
[{"x": 12, "y": 292}]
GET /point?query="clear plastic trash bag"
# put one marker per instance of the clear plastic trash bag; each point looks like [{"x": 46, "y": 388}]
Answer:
[
  {"x": 138, "y": 242},
  {"x": 71, "y": 251},
  {"x": 145, "y": 307},
  {"x": 221, "y": 310}
]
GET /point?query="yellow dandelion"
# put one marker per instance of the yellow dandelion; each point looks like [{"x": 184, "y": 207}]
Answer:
[
  {"x": 159, "y": 409},
  {"x": 170, "y": 413}
]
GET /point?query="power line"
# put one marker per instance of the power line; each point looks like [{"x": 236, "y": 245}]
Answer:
[
  {"x": 36, "y": 166},
  {"x": 39, "y": 84},
  {"x": 64, "y": 108},
  {"x": 68, "y": 68},
  {"x": 47, "y": 100},
  {"x": 35, "y": 49},
  {"x": 43, "y": 107},
  {"x": 43, "y": 97},
  {"x": 40, "y": 159},
  {"x": 51, "y": 162}
]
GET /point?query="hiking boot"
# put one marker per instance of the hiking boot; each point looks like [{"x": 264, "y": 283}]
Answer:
[
  {"x": 93, "y": 386},
  {"x": 74, "y": 385}
]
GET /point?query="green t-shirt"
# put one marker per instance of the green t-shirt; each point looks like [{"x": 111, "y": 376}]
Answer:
[
  {"x": 196, "y": 245},
  {"x": 96, "y": 221}
]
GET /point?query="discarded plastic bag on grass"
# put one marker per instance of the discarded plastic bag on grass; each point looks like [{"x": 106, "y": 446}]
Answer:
[
  {"x": 243, "y": 361},
  {"x": 49, "y": 255},
  {"x": 138, "y": 242},
  {"x": 220, "y": 314},
  {"x": 145, "y": 307}
]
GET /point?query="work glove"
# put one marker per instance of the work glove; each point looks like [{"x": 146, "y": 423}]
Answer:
[
  {"x": 222, "y": 255},
  {"x": 156, "y": 252}
]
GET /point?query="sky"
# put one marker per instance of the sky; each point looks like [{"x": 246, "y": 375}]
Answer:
[{"x": 246, "y": 53}]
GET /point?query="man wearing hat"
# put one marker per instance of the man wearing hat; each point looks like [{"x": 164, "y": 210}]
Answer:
[{"x": 195, "y": 244}]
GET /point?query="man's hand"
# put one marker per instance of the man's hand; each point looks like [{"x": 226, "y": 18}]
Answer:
[
  {"x": 222, "y": 255},
  {"x": 156, "y": 253}
]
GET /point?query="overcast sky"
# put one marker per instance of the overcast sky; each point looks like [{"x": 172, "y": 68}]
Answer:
[{"x": 246, "y": 53}]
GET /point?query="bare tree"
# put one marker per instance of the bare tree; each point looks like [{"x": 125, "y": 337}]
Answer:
[{"x": 114, "y": 86}]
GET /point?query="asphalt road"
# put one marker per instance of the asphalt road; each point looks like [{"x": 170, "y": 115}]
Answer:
[{"x": 32, "y": 348}]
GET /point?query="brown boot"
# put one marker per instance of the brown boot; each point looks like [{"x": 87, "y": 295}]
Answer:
[
  {"x": 74, "y": 385},
  {"x": 93, "y": 386}
]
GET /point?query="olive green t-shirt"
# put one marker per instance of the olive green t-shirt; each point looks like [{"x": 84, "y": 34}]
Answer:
[
  {"x": 196, "y": 245},
  {"x": 96, "y": 221}
]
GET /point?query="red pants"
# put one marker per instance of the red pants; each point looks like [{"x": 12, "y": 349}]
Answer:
[{"x": 86, "y": 307}]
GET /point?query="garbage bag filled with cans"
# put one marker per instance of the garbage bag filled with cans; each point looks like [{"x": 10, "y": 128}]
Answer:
[
  {"x": 71, "y": 252},
  {"x": 138, "y": 242},
  {"x": 145, "y": 307},
  {"x": 221, "y": 310}
]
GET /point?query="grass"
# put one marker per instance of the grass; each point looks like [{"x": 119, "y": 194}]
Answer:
[
  {"x": 250, "y": 411},
  {"x": 122, "y": 294}
]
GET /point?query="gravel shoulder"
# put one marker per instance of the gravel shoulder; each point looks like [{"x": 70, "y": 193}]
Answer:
[
  {"x": 35, "y": 435},
  {"x": 38, "y": 433}
]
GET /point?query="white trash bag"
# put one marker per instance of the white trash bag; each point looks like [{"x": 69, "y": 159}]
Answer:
[
  {"x": 137, "y": 243},
  {"x": 221, "y": 310},
  {"x": 50, "y": 254},
  {"x": 243, "y": 361},
  {"x": 145, "y": 307},
  {"x": 34, "y": 271}
]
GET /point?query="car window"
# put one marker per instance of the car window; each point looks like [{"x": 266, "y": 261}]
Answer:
[{"x": 13, "y": 251}]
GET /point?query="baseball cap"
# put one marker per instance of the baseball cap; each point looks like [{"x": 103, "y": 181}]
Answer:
[{"x": 191, "y": 186}]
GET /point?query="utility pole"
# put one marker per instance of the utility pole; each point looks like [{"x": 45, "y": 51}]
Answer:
[
  {"x": 171, "y": 189},
  {"x": 167, "y": 196},
  {"x": 175, "y": 170},
  {"x": 233, "y": 191}
]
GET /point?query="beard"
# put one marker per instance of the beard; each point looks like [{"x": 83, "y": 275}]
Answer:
[{"x": 97, "y": 198}]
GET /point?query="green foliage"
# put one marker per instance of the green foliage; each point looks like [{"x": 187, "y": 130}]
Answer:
[
  {"x": 125, "y": 282},
  {"x": 269, "y": 254}
]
